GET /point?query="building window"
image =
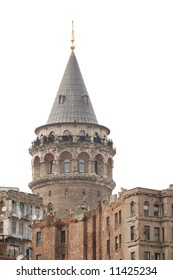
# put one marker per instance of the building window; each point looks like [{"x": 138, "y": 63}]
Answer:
[
  {"x": 66, "y": 192},
  {"x": 108, "y": 247},
  {"x": 52, "y": 167},
  {"x": 1, "y": 227},
  {"x": 157, "y": 256},
  {"x": 120, "y": 240},
  {"x": 132, "y": 255},
  {"x": 50, "y": 193},
  {"x": 116, "y": 243},
  {"x": 107, "y": 223},
  {"x": 146, "y": 208},
  {"x": 63, "y": 237},
  {"x": 146, "y": 255},
  {"x": 62, "y": 256},
  {"x": 96, "y": 167},
  {"x": 132, "y": 208},
  {"x": 119, "y": 217},
  {"x": 116, "y": 219},
  {"x": 38, "y": 257},
  {"x": 38, "y": 238},
  {"x": 156, "y": 210},
  {"x": 81, "y": 166},
  {"x": 172, "y": 234},
  {"x": 147, "y": 232},
  {"x": 132, "y": 232},
  {"x": 13, "y": 227},
  {"x": 156, "y": 234},
  {"x": 163, "y": 234},
  {"x": 50, "y": 207},
  {"x": 21, "y": 229},
  {"x": 66, "y": 165},
  {"x": 163, "y": 256},
  {"x": 83, "y": 192}
]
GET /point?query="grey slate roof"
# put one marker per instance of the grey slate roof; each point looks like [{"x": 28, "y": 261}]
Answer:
[{"x": 72, "y": 102}]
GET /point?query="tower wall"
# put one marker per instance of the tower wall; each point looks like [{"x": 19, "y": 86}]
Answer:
[{"x": 72, "y": 166}]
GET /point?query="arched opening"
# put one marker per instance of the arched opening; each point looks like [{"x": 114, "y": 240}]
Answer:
[
  {"x": 36, "y": 168},
  {"x": 98, "y": 165},
  {"x": 49, "y": 164}
]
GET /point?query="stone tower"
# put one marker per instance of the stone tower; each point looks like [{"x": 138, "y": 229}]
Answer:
[{"x": 72, "y": 157}]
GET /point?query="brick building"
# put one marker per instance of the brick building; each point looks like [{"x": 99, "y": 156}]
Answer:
[{"x": 136, "y": 225}]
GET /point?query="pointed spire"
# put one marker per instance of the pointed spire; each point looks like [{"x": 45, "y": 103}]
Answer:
[
  {"x": 72, "y": 103},
  {"x": 72, "y": 37}
]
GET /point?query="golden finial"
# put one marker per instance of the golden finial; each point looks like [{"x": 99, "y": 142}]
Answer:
[{"x": 72, "y": 37}]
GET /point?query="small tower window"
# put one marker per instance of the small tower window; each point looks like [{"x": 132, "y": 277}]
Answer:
[
  {"x": 66, "y": 165},
  {"x": 66, "y": 192},
  {"x": 50, "y": 207},
  {"x": 61, "y": 99},
  {"x": 85, "y": 99},
  {"x": 83, "y": 192}
]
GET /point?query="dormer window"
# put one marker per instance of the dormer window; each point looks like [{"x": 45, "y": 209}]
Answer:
[
  {"x": 85, "y": 99},
  {"x": 61, "y": 99}
]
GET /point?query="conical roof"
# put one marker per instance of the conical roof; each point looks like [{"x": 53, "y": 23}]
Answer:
[{"x": 72, "y": 102}]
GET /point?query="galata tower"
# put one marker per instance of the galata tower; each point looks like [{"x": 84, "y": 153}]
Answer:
[{"x": 72, "y": 156}]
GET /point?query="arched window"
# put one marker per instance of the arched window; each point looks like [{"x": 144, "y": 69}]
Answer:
[
  {"x": 66, "y": 192},
  {"x": 50, "y": 207},
  {"x": 96, "y": 166},
  {"x": 81, "y": 166},
  {"x": 66, "y": 165},
  {"x": 52, "y": 167},
  {"x": 132, "y": 208},
  {"x": 146, "y": 208},
  {"x": 83, "y": 192},
  {"x": 82, "y": 133}
]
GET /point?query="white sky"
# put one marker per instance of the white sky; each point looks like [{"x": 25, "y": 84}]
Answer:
[{"x": 125, "y": 53}]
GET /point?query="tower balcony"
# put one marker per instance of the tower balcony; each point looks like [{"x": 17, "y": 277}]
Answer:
[{"x": 52, "y": 139}]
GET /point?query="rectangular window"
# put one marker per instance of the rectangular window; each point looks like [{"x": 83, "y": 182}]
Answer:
[
  {"x": 147, "y": 232},
  {"x": 132, "y": 255},
  {"x": 107, "y": 223},
  {"x": 132, "y": 233},
  {"x": 146, "y": 255},
  {"x": 1, "y": 227},
  {"x": 156, "y": 210},
  {"x": 172, "y": 234},
  {"x": 62, "y": 256},
  {"x": 157, "y": 256},
  {"x": 39, "y": 238},
  {"x": 38, "y": 257},
  {"x": 13, "y": 227},
  {"x": 132, "y": 208},
  {"x": 21, "y": 229},
  {"x": 163, "y": 256},
  {"x": 163, "y": 234},
  {"x": 120, "y": 240},
  {"x": 156, "y": 234},
  {"x": 116, "y": 219},
  {"x": 116, "y": 243},
  {"x": 172, "y": 210},
  {"x": 63, "y": 237},
  {"x": 120, "y": 217},
  {"x": 108, "y": 247}
]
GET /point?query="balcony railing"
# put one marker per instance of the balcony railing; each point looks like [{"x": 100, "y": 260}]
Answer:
[{"x": 71, "y": 138}]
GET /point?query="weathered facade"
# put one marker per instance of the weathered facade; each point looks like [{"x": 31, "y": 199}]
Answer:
[
  {"x": 137, "y": 225},
  {"x": 17, "y": 211}
]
